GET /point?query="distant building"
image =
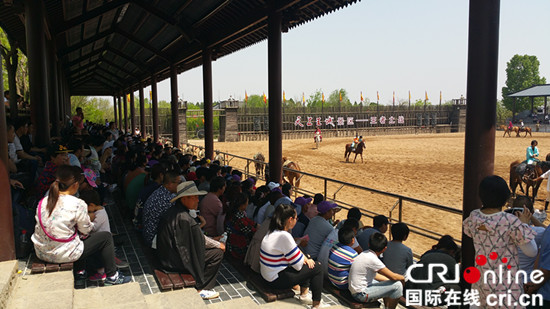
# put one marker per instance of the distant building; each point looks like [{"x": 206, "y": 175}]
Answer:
[{"x": 461, "y": 101}]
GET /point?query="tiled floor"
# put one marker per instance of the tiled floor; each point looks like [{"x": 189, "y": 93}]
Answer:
[{"x": 231, "y": 284}]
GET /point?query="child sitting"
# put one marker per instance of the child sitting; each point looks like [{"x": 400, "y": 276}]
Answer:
[
  {"x": 341, "y": 257},
  {"x": 398, "y": 257},
  {"x": 368, "y": 276}
]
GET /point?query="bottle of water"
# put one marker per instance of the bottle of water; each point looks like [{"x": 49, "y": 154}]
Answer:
[{"x": 23, "y": 237}]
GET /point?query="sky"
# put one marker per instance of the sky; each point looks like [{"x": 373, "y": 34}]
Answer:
[{"x": 377, "y": 45}]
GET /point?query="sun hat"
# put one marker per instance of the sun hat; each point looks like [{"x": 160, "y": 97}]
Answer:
[
  {"x": 187, "y": 188},
  {"x": 303, "y": 201},
  {"x": 90, "y": 177},
  {"x": 325, "y": 206},
  {"x": 272, "y": 185}
]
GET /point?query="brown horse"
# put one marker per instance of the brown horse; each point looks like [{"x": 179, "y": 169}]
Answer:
[
  {"x": 509, "y": 131},
  {"x": 358, "y": 151},
  {"x": 259, "y": 165},
  {"x": 292, "y": 177},
  {"x": 527, "y": 130},
  {"x": 516, "y": 179}
]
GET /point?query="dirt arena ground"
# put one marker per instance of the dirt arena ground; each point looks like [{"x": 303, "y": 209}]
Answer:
[{"x": 427, "y": 167}]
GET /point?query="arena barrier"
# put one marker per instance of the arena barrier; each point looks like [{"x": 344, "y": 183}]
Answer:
[{"x": 332, "y": 189}]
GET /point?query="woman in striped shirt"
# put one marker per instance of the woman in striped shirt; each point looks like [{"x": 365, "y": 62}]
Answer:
[{"x": 281, "y": 262}]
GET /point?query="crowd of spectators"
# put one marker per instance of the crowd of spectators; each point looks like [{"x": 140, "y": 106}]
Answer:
[{"x": 195, "y": 211}]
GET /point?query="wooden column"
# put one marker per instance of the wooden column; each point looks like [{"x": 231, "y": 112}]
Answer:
[
  {"x": 275, "y": 91},
  {"x": 114, "y": 109},
  {"x": 6, "y": 217},
  {"x": 481, "y": 108},
  {"x": 120, "y": 123},
  {"x": 52, "y": 89},
  {"x": 125, "y": 107},
  {"x": 132, "y": 113},
  {"x": 208, "y": 109},
  {"x": 36, "y": 55},
  {"x": 155, "y": 108},
  {"x": 174, "y": 105},
  {"x": 142, "y": 111}
]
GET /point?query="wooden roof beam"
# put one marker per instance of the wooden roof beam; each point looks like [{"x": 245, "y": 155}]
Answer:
[
  {"x": 88, "y": 55},
  {"x": 118, "y": 82},
  {"x": 116, "y": 66},
  {"x": 83, "y": 43},
  {"x": 183, "y": 29},
  {"x": 108, "y": 6},
  {"x": 144, "y": 44},
  {"x": 129, "y": 59}
]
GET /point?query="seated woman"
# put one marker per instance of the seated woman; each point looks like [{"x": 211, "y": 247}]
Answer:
[
  {"x": 282, "y": 263},
  {"x": 239, "y": 228},
  {"x": 62, "y": 232}
]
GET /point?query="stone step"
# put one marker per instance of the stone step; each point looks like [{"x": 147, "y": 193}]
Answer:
[
  {"x": 188, "y": 298},
  {"x": 49, "y": 290},
  {"x": 237, "y": 303},
  {"x": 8, "y": 270},
  {"x": 126, "y": 295}
]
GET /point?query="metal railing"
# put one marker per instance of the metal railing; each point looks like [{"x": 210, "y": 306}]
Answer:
[{"x": 399, "y": 199}]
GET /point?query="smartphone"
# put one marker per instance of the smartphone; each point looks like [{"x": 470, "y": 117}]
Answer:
[{"x": 513, "y": 210}]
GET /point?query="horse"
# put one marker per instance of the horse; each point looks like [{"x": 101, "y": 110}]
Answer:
[
  {"x": 527, "y": 130},
  {"x": 358, "y": 151},
  {"x": 317, "y": 139},
  {"x": 516, "y": 179},
  {"x": 509, "y": 131},
  {"x": 258, "y": 165},
  {"x": 292, "y": 176}
]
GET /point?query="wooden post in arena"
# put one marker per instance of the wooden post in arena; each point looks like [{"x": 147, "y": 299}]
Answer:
[
  {"x": 275, "y": 91},
  {"x": 481, "y": 108}
]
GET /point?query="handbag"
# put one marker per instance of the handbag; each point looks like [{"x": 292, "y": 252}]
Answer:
[{"x": 45, "y": 232}]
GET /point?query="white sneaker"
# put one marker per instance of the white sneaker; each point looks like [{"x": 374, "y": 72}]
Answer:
[
  {"x": 321, "y": 305},
  {"x": 305, "y": 299},
  {"x": 209, "y": 294}
]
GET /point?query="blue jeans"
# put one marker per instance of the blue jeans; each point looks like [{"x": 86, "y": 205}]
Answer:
[{"x": 376, "y": 290}]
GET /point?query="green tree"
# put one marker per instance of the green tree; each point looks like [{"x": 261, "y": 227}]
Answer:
[
  {"x": 315, "y": 100},
  {"x": 502, "y": 113},
  {"x": 334, "y": 98},
  {"x": 521, "y": 72}
]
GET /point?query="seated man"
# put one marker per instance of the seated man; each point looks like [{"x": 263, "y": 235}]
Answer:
[
  {"x": 319, "y": 228},
  {"x": 380, "y": 225},
  {"x": 341, "y": 257},
  {"x": 157, "y": 204},
  {"x": 398, "y": 257},
  {"x": 182, "y": 246},
  {"x": 354, "y": 143},
  {"x": 531, "y": 155},
  {"x": 368, "y": 276},
  {"x": 211, "y": 208}
]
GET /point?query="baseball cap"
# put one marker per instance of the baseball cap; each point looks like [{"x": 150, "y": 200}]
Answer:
[
  {"x": 303, "y": 201},
  {"x": 272, "y": 185},
  {"x": 325, "y": 206}
]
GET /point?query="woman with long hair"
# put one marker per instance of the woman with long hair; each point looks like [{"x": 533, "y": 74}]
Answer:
[
  {"x": 283, "y": 264},
  {"x": 239, "y": 228},
  {"x": 62, "y": 232}
]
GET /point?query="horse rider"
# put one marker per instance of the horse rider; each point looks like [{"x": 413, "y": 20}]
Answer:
[
  {"x": 531, "y": 159},
  {"x": 354, "y": 143},
  {"x": 318, "y": 132},
  {"x": 521, "y": 124},
  {"x": 510, "y": 125}
]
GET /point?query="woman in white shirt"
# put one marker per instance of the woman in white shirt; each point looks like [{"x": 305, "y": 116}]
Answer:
[
  {"x": 281, "y": 261},
  {"x": 63, "y": 225}
]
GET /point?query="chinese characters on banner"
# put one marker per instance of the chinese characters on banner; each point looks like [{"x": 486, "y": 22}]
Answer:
[{"x": 349, "y": 121}]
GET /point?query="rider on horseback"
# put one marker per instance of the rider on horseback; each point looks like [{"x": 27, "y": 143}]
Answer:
[
  {"x": 356, "y": 141},
  {"x": 532, "y": 154},
  {"x": 317, "y": 132},
  {"x": 521, "y": 125},
  {"x": 510, "y": 125}
]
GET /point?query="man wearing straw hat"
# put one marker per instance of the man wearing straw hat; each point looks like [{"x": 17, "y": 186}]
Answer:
[{"x": 181, "y": 245}]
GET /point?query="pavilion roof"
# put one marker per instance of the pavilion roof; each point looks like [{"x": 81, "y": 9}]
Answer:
[
  {"x": 106, "y": 46},
  {"x": 533, "y": 91}
]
